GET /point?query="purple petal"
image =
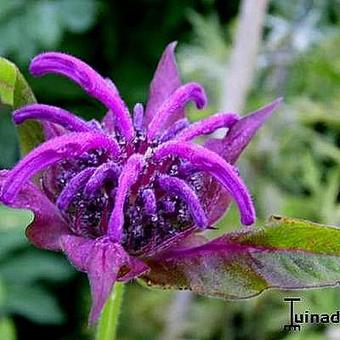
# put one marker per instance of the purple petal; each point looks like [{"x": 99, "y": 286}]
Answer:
[
  {"x": 72, "y": 188},
  {"x": 89, "y": 80},
  {"x": 165, "y": 81},
  {"x": 180, "y": 188},
  {"x": 168, "y": 112},
  {"x": 47, "y": 225},
  {"x": 208, "y": 125},
  {"x": 104, "y": 172},
  {"x": 102, "y": 260},
  {"x": 51, "y": 114},
  {"x": 150, "y": 203},
  {"x": 138, "y": 115},
  {"x": 208, "y": 161},
  {"x": 52, "y": 152},
  {"x": 108, "y": 122},
  {"x": 52, "y": 130},
  {"x": 174, "y": 129},
  {"x": 128, "y": 177},
  {"x": 230, "y": 147},
  {"x": 239, "y": 136}
]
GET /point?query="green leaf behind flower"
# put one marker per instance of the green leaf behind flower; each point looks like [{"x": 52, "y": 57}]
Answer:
[
  {"x": 15, "y": 92},
  {"x": 285, "y": 254}
]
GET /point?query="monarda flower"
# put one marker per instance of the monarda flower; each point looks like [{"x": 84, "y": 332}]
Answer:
[{"x": 122, "y": 196}]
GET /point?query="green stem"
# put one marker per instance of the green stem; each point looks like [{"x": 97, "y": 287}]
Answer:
[{"x": 108, "y": 322}]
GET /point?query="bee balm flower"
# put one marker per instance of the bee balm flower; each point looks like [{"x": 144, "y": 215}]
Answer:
[{"x": 115, "y": 195}]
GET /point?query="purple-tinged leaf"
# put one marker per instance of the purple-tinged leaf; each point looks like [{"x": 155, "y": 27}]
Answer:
[{"x": 285, "y": 254}]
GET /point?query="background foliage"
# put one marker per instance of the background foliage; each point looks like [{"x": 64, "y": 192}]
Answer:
[{"x": 292, "y": 167}]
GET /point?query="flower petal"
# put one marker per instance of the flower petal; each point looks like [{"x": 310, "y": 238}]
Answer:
[
  {"x": 210, "y": 162},
  {"x": 174, "y": 129},
  {"x": 51, "y": 152},
  {"x": 178, "y": 187},
  {"x": 129, "y": 175},
  {"x": 239, "y": 135},
  {"x": 168, "y": 112},
  {"x": 48, "y": 225},
  {"x": 165, "y": 81},
  {"x": 73, "y": 187},
  {"x": 230, "y": 147},
  {"x": 207, "y": 126},
  {"x": 94, "y": 84},
  {"x": 51, "y": 114},
  {"x": 104, "y": 262}
]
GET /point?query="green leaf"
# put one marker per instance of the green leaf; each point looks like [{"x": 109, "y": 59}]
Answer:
[
  {"x": 15, "y": 92},
  {"x": 286, "y": 254},
  {"x": 108, "y": 322}
]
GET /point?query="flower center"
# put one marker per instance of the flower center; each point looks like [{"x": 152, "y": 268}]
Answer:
[{"x": 152, "y": 215}]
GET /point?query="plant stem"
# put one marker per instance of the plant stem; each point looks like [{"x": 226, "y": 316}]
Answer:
[{"x": 108, "y": 321}]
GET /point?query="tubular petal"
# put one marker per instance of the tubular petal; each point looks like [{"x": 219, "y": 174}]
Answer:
[
  {"x": 73, "y": 187},
  {"x": 207, "y": 126},
  {"x": 230, "y": 148},
  {"x": 180, "y": 188},
  {"x": 105, "y": 171},
  {"x": 208, "y": 161},
  {"x": 89, "y": 80},
  {"x": 174, "y": 129},
  {"x": 138, "y": 114},
  {"x": 52, "y": 152},
  {"x": 165, "y": 81},
  {"x": 174, "y": 104},
  {"x": 51, "y": 114},
  {"x": 127, "y": 178},
  {"x": 149, "y": 199},
  {"x": 242, "y": 132}
]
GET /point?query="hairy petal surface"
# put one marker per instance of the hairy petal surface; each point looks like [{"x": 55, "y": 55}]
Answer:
[
  {"x": 128, "y": 177},
  {"x": 52, "y": 152},
  {"x": 241, "y": 133},
  {"x": 208, "y": 125},
  {"x": 95, "y": 85},
  {"x": 47, "y": 225},
  {"x": 230, "y": 148},
  {"x": 286, "y": 254},
  {"x": 169, "y": 110},
  {"x": 51, "y": 114},
  {"x": 165, "y": 81},
  {"x": 208, "y": 161},
  {"x": 180, "y": 188}
]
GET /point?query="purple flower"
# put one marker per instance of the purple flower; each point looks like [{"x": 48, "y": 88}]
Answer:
[{"x": 118, "y": 195}]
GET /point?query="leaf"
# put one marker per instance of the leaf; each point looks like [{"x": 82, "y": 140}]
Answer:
[
  {"x": 15, "y": 92},
  {"x": 286, "y": 253}
]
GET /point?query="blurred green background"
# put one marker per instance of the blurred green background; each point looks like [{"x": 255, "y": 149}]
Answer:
[{"x": 292, "y": 167}]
